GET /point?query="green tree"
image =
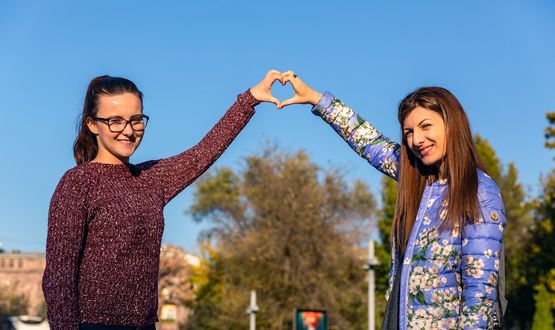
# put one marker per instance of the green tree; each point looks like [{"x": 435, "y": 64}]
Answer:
[
  {"x": 541, "y": 251},
  {"x": 489, "y": 157},
  {"x": 550, "y": 131},
  {"x": 289, "y": 230},
  {"x": 516, "y": 239},
  {"x": 543, "y": 318}
]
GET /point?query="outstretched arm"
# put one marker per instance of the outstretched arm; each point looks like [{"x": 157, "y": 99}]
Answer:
[
  {"x": 362, "y": 137},
  {"x": 177, "y": 172}
]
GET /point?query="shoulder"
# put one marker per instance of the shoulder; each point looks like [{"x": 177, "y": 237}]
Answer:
[
  {"x": 75, "y": 178},
  {"x": 487, "y": 187},
  {"x": 76, "y": 173},
  {"x": 490, "y": 198}
]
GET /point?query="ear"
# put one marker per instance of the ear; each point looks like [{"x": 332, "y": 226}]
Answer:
[{"x": 91, "y": 124}]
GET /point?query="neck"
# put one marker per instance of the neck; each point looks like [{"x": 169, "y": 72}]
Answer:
[{"x": 109, "y": 159}]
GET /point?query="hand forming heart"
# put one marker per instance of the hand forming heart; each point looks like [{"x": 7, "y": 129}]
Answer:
[{"x": 303, "y": 94}]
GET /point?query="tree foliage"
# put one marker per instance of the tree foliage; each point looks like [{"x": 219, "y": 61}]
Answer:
[
  {"x": 289, "y": 230},
  {"x": 13, "y": 302},
  {"x": 550, "y": 131},
  {"x": 543, "y": 318}
]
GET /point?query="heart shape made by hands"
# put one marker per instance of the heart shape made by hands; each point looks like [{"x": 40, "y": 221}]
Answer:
[{"x": 263, "y": 91}]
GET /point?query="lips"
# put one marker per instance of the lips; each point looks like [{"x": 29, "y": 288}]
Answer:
[
  {"x": 426, "y": 150},
  {"x": 126, "y": 142}
]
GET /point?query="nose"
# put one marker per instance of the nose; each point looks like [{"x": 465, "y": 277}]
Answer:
[
  {"x": 128, "y": 130},
  {"x": 418, "y": 137}
]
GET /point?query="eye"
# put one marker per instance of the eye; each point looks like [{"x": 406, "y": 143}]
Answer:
[
  {"x": 116, "y": 121},
  {"x": 407, "y": 134},
  {"x": 138, "y": 119},
  {"x": 427, "y": 125}
]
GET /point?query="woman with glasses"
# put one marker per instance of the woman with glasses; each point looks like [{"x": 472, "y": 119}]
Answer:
[{"x": 105, "y": 221}]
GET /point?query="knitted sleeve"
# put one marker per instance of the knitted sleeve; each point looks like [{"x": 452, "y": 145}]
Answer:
[
  {"x": 177, "y": 172},
  {"x": 66, "y": 229},
  {"x": 362, "y": 137}
]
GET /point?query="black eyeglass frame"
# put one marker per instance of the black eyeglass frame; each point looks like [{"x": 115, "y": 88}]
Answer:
[{"x": 106, "y": 121}]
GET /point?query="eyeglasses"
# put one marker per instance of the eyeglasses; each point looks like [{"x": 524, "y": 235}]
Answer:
[{"x": 118, "y": 124}]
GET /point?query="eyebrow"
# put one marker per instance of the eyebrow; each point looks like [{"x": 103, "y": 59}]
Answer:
[
  {"x": 419, "y": 124},
  {"x": 121, "y": 117}
]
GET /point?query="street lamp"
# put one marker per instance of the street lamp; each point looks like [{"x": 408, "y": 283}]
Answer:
[
  {"x": 252, "y": 310},
  {"x": 372, "y": 262}
]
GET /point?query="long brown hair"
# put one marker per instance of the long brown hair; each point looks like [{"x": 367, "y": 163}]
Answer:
[
  {"x": 460, "y": 164},
  {"x": 85, "y": 146}
]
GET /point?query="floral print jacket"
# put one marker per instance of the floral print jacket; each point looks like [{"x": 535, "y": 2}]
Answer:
[{"x": 448, "y": 279}]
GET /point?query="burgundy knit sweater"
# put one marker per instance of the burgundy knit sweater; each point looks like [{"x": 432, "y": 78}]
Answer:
[{"x": 105, "y": 227}]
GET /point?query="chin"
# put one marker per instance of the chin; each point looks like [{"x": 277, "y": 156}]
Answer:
[
  {"x": 125, "y": 155},
  {"x": 429, "y": 162}
]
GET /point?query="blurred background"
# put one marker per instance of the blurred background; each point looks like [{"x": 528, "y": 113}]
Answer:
[{"x": 191, "y": 59}]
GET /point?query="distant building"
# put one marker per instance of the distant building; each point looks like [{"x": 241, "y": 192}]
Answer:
[
  {"x": 174, "y": 287},
  {"x": 21, "y": 273}
]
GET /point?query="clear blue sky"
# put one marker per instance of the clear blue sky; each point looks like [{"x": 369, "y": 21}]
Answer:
[{"x": 192, "y": 58}]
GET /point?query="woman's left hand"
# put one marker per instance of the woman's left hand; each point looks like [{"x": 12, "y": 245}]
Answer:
[{"x": 263, "y": 91}]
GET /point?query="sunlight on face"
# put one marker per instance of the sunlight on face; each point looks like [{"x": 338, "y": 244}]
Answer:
[
  {"x": 424, "y": 131},
  {"x": 116, "y": 147}
]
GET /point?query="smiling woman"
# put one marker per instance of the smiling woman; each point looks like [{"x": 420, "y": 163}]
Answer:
[
  {"x": 109, "y": 100},
  {"x": 105, "y": 221},
  {"x": 447, "y": 230}
]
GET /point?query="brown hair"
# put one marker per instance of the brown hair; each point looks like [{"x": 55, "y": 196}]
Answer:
[
  {"x": 460, "y": 164},
  {"x": 85, "y": 146}
]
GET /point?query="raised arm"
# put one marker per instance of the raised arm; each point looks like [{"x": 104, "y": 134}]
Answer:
[
  {"x": 481, "y": 250},
  {"x": 177, "y": 172},
  {"x": 66, "y": 230},
  {"x": 362, "y": 137}
]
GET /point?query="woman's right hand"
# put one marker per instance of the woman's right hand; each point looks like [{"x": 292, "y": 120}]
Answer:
[
  {"x": 263, "y": 91},
  {"x": 303, "y": 93}
]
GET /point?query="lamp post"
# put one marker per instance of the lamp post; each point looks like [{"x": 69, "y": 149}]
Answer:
[
  {"x": 372, "y": 262},
  {"x": 252, "y": 310}
]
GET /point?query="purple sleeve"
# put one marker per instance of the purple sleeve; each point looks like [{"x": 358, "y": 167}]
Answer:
[
  {"x": 66, "y": 228},
  {"x": 368, "y": 142},
  {"x": 481, "y": 251},
  {"x": 177, "y": 172}
]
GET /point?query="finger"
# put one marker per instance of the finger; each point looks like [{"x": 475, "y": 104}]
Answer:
[
  {"x": 287, "y": 102},
  {"x": 288, "y": 73},
  {"x": 274, "y": 100},
  {"x": 273, "y": 77},
  {"x": 292, "y": 79}
]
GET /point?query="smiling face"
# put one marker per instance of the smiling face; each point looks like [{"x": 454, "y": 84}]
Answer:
[
  {"x": 116, "y": 148},
  {"x": 424, "y": 131}
]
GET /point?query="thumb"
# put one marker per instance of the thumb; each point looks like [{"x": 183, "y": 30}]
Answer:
[
  {"x": 287, "y": 102},
  {"x": 274, "y": 100}
]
